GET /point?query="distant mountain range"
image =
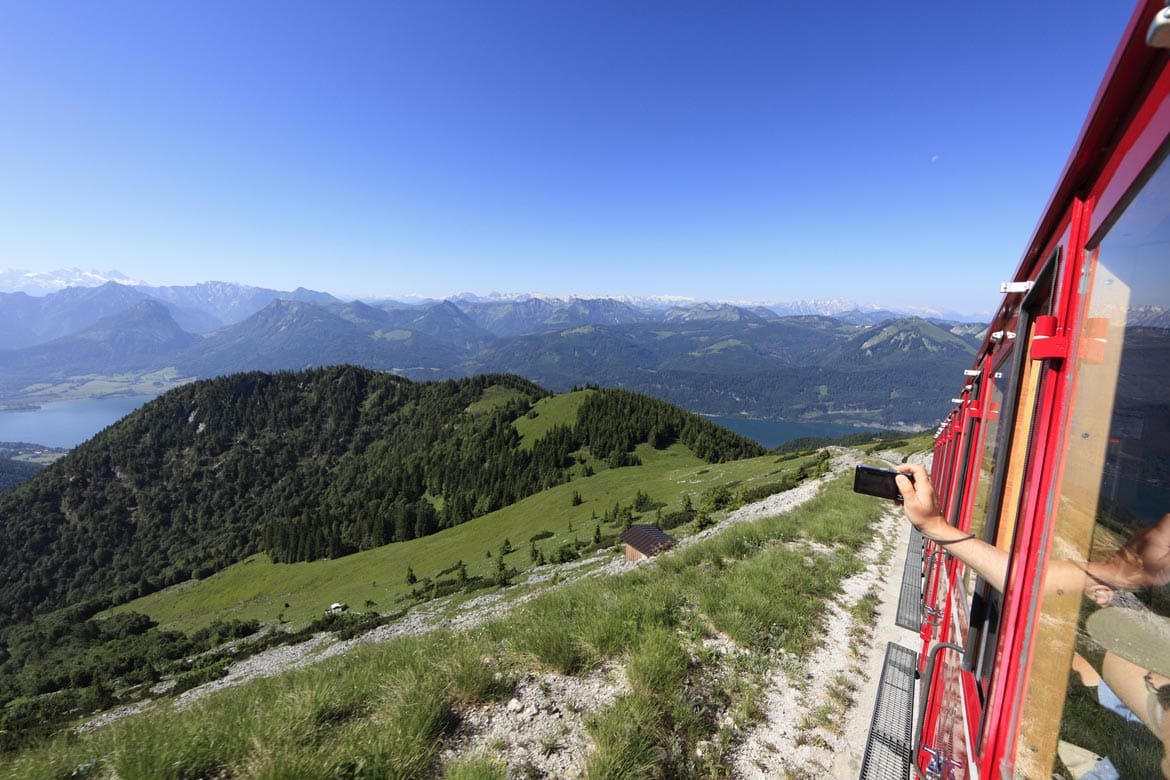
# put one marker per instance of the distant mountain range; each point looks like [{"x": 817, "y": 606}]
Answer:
[
  {"x": 870, "y": 367},
  {"x": 230, "y": 298}
]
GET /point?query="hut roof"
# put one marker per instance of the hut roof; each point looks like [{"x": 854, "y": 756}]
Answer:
[{"x": 647, "y": 539}]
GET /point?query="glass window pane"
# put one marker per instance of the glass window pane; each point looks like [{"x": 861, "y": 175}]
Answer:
[{"x": 1101, "y": 670}]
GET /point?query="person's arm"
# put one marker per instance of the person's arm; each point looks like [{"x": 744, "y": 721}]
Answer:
[
  {"x": 1144, "y": 561},
  {"x": 1132, "y": 684},
  {"x": 987, "y": 560}
]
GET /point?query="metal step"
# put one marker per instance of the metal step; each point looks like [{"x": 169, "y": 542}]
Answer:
[
  {"x": 910, "y": 598},
  {"x": 887, "y": 751}
]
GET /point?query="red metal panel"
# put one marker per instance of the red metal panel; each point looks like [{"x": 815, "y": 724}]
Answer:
[
  {"x": 1147, "y": 134},
  {"x": 1130, "y": 157}
]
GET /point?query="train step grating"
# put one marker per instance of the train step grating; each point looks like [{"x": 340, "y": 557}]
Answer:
[
  {"x": 887, "y": 751},
  {"x": 909, "y": 613}
]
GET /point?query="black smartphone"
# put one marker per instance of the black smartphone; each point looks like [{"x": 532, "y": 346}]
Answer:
[{"x": 877, "y": 482}]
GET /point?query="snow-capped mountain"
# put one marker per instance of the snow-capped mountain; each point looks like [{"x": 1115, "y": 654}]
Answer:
[
  {"x": 823, "y": 306},
  {"x": 45, "y": 282},
  {"x": 213, "y": 294},
  {"x": 499, "y": 297},
  {"x": 657, "y": 302}
]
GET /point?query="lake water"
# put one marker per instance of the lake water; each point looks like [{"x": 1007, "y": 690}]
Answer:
[
  {"x": 770, "y": 433},
  {"x": 66, "y": 423},
  {"x": 69, "y": 423}
]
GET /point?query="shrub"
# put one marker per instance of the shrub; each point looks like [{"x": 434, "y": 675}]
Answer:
[
  {"x": 755, "y": 493},
  {"x": 674, "y": 519}
]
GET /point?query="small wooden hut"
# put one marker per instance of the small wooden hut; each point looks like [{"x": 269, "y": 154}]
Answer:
[{"x": 644, "y": 541}]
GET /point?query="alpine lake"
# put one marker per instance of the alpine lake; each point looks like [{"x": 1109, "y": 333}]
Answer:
[{"x": 69, "y": 423}]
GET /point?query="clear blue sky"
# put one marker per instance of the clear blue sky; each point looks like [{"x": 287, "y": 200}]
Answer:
[{"x": 762, "y": 151}]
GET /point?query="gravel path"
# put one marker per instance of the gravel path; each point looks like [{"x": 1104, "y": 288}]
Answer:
[{"x": 809, "y": 708}]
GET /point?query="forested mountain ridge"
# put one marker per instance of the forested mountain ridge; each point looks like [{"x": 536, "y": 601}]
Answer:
[{"x": 302, "y": 465}]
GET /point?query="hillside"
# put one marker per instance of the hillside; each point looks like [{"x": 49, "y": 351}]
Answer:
[
  {"x": 73, "y": 658},
  {"x": 293, "y": 335},
  {"x": 133, "y": 340},
  {"x": 690, "y": 652},
  {"x": 303, "y": 466}
]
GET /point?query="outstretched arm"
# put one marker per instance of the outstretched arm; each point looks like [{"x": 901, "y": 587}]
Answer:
[
  {"x": 991, "y": 563},
  {"x": 988, "y": 561}
]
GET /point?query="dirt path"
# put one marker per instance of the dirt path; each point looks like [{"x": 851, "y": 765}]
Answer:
[{"x": 817, "y": 714}]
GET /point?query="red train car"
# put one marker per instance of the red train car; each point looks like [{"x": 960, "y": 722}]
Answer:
[{"x": 1046, "y": 638}]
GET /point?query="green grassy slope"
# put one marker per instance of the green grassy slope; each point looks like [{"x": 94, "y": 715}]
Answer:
[
  {"x": 390, "y": 710},
  {"x": 258, "y": 589},
  {"x": 555, "y": 410}
]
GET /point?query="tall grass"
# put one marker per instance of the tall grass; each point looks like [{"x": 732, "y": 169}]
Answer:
[
  {"x": 385, "y": 711},
  {"x": 476, "y": 768},
  {"x": 572, "y": 629},
  {"x": 652, "y": 730}
]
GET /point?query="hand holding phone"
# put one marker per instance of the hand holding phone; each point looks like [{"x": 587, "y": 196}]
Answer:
[{"x": 878, "y": 482}]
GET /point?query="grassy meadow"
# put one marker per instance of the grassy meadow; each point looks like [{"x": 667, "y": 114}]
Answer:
[
  {"x": 389, "y": 711},
  {"x": 297, "y": 593}
]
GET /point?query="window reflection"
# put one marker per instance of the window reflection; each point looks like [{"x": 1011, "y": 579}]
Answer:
[{"x": 1105, "y": 623}]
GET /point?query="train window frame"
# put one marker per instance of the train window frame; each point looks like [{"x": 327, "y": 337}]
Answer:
[
  {"x": 968, "y": 439},
  {"x": 1013, "y": 438}
]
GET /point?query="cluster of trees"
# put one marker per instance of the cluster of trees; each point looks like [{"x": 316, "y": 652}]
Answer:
[
  {"x": 303, "y": 465},
  {"x": 612, "y": 422},
  {"x": 70, "y": 663},
  {"x": 13, "y": 472},
  {"x": 59, "y": 667}
]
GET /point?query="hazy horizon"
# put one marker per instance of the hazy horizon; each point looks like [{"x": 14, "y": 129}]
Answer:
[{"x": 38, "y": 283}]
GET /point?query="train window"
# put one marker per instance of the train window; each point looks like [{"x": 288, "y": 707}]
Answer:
[
  {"x": 1009, "y": 411},
  {"x": 1100, "y": 682},
  {"x": 968, "y": 441},
  {"x": 991, "y": 405}
]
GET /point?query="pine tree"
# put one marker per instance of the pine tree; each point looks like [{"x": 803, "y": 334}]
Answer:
[{"x": 501, "y": 572}]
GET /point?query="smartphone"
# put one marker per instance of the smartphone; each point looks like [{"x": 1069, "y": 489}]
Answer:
[{"x": 877, "y": 482}]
